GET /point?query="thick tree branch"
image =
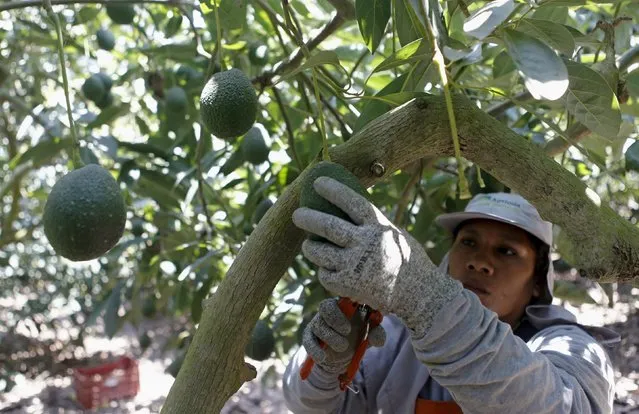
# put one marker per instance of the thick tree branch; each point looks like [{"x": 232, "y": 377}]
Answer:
[{"x": 602, "y": 244}]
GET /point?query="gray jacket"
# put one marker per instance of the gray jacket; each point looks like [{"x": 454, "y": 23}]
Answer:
[{"x": 550, "y": 364}]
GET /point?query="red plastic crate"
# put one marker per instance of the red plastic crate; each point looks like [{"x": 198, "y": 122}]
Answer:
[{"x": 100, "y": 384}]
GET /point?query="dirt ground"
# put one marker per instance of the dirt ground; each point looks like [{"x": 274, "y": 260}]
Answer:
[{"x": 46, "y": 393}]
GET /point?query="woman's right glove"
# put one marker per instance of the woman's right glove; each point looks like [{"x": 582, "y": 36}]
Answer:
[{"x": 342, "y": 336}]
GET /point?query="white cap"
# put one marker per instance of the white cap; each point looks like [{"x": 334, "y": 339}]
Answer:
[{"x": 507, "y": 208}]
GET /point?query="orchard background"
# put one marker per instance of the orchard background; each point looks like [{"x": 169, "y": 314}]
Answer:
[{"x": 543, "y": 94}]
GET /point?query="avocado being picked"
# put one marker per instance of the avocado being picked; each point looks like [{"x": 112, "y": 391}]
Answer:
[{"x": 311, "y": 199}]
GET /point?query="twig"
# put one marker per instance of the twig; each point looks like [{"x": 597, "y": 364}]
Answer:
[
  {"x": 38, "y": 3},
  {"x": 289, "y": 129},
  {"x": 17, "y": 102},
  {"x": 304, "y": 49},
  {"x": 438, "y": 58},
  {"x": 629, "y": 57},
  {"x": 218, "y": 37},
  {"x": 344, "y": 7},
  {"x": 198, "y": 39},
  {"x": 359, "y": 60},
  {"x": 330, "y": 108},
  {"x": 575, "y": 133},
  {"x": 200, "y": 187},
  {"x": 77, "y": 162},
  {"x": 6, "y": 223},
  {"x": 405, "y": 197},
  {"x": 498, "y": 109},
  {"x": 295, "y": 60}
]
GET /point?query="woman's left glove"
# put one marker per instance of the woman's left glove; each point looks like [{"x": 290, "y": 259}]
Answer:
[{"x": 371, "y": 261}]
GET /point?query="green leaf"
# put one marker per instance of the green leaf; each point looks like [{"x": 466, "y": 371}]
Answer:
[
  {"x": 232, "y": 14},
  {"x": 415, "y": 51},
  {"x": 582, "y": 39},
  {"x": 553, "y": 34},
  {"x": 407, "y": 28},
  {"x": 174, "y": 51},
  {"x": 234, "y": 162},
  {"x": 632, "y": 157},
  {"x": 632, "y": 83},
  {"x": 544, "y": 73},
  {"x": 87, "y": 156},
  {"x": 160, "y": 188},
  {"x": 144, "y": 148},
  {"x": 111, "y": 317},
  {"x": 372, "y": 18},
  {"x": 109, "y": 115},
  {"x": 591, "y": 100},
  {"x": 412, "y": 81},
  {"x": 173, "y": 26},
  {"x": 144, "y": 128},
  {"x": 562, "y": 3},
  {"x": 87, "y": 14},
  {"x": 502, "y": 65},
  {"x": 323, "y": 57},
  {"x": 554, "y": 14},
  {"x": 485, "y": 20},
  {"x": 42, "y": 152}
]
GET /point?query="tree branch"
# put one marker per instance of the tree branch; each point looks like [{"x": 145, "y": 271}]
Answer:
[
  {"x": 417, "y": 170},
  {"x": 6, "y": 221},
  {"x": 557, "y": 145},
  {"x": 297, "y": 57},
  {"x": 602, "y": 244},
  {"x": 629, "y": 57},
  {"x": 346, "y": 8},
  {"x": 289, "y": 129},
  {"x": 17, "y": 102},
  {"x": 38, "y": 3}
]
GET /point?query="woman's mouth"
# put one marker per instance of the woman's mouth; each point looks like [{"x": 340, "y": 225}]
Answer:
[{"x": 475, "y": 289}]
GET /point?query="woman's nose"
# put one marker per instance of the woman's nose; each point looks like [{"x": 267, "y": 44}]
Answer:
[{"x": 480, "y": 264}]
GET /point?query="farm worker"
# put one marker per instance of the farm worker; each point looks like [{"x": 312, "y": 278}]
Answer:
[{"x": 477, "y": 334}]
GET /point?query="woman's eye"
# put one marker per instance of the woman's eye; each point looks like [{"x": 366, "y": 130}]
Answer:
[
  {"x": 508, "y": 251},
  {"x": 468, "y": 242}
]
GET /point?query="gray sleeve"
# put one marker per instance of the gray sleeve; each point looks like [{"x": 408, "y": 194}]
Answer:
[
  {"x": 488, "y": 369},
  {"x": 320, "y": 392}
]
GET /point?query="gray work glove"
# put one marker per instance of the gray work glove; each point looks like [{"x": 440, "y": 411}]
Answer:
[
  {"x": 372, "y": 261},
  {"x": 342, "y": 336}
]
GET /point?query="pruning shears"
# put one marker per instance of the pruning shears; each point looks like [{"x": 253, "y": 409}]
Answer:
[{"x": 372, "y": 319}]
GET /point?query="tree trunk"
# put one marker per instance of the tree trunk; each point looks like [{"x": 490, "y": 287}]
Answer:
[{"x": 603, "y": 245}]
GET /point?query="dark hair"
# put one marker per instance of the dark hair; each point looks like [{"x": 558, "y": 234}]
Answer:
[{"x": 542, "y": 261}]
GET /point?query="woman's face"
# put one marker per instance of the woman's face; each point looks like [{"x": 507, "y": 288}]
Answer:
[{"x": 496, "y": 261}]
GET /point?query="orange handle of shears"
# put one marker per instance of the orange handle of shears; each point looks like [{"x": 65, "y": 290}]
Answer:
[
  {"x": 374, "y": 319},
  {"x": 348, "y": 307}
]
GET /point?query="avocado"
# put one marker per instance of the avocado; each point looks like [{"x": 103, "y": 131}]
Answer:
[
  {"x": 105, "y": 39},
  {"x": 93, "y": 88},
  {"x": 228, "y": 104},
  {"x": 85, "y": 214},
  {"x": 311, "y": 199},
  {"x": 254, "y": 145},
  {"x": 262, "y": 342},
  {"x": 121, "y": 13}
]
